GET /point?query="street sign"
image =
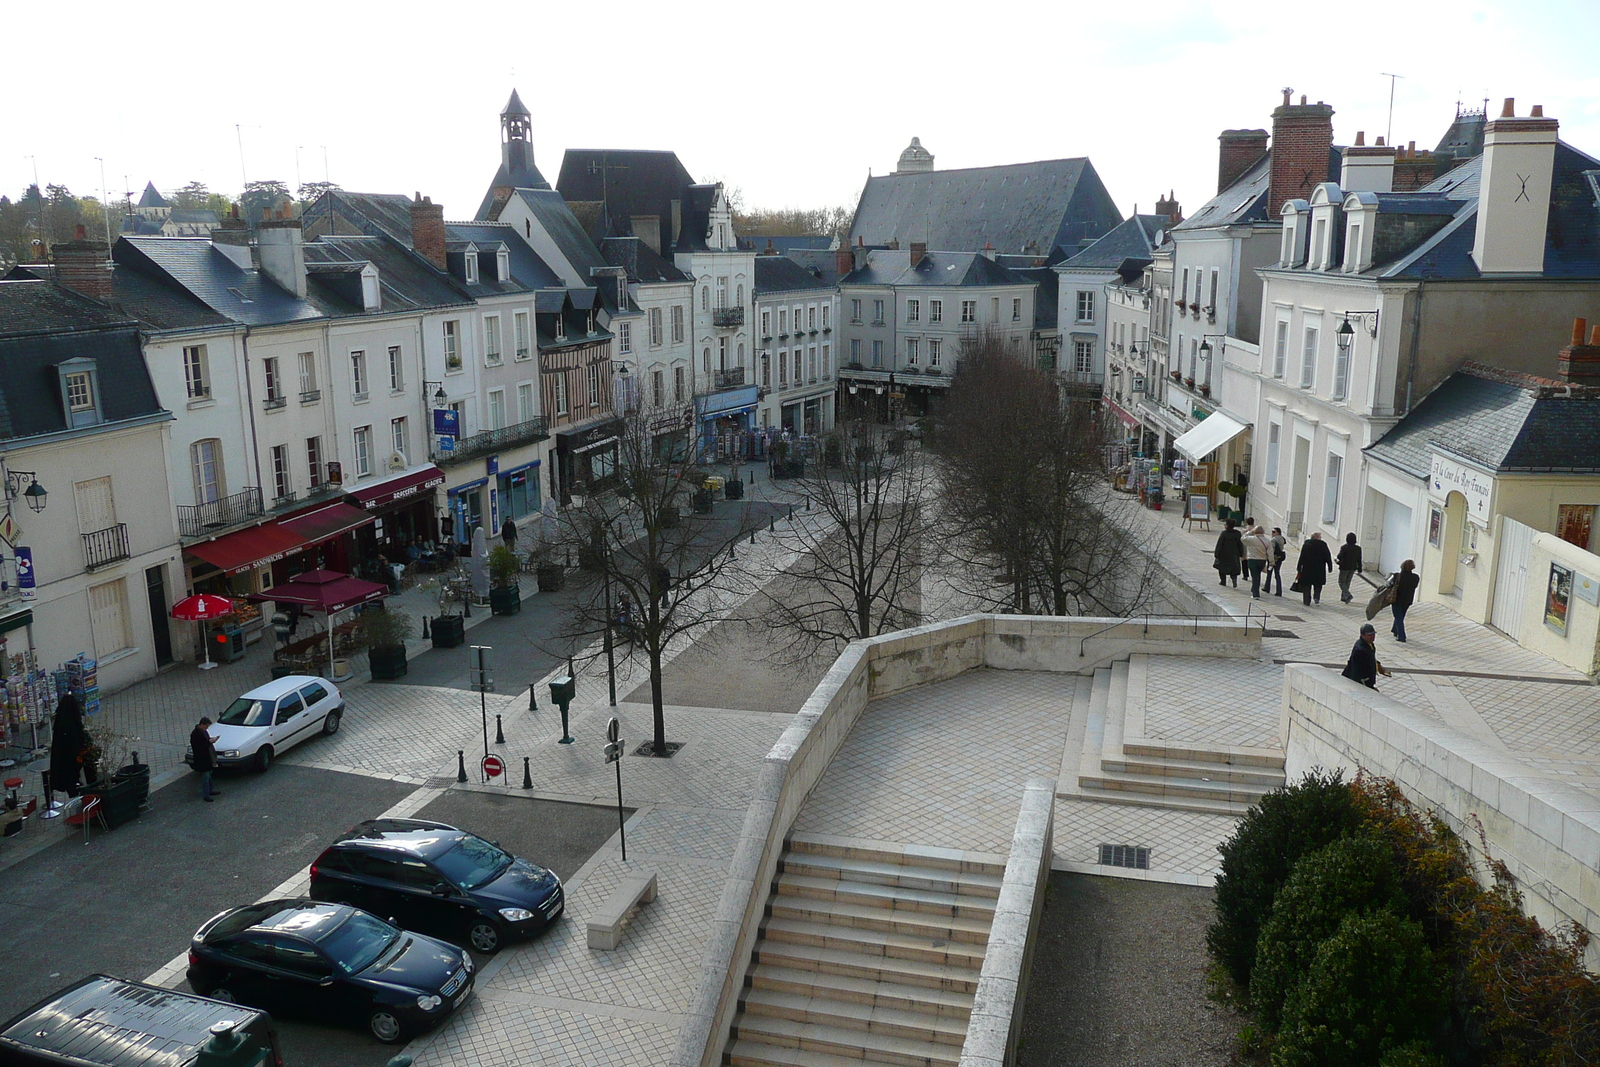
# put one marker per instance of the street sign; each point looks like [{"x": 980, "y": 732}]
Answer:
[
  {"x": 614, "y": 751},
  {"x": 493, "y": 766},
  {"x": 482, "y": 677},
  {"x": 613, "y": 729}
]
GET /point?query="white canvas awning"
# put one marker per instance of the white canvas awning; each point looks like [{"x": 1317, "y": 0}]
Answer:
[{"x": 1212, "y": 433}]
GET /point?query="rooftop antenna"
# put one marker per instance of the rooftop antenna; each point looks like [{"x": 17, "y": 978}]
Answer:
[
  {"x": 325, "y": 178},
  {"x": 1389, "y": 130},
  {"x": 239, "y": 136},
  {"x": 105, "y": 205},
  {"x": 297, "y": 182},
  {"x": 44, "y": 208}
]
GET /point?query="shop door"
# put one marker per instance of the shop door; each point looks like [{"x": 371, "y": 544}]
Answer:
[
  {"x": 1396, "y": 545},
  {"x": 1511, "y": 577},
  {"x": 155, "y": 580}
]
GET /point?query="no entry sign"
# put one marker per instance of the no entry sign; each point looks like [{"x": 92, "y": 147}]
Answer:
[{"x": 493, "y": 766}]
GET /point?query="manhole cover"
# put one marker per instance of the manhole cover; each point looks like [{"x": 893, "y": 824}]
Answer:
[
  {"x": 1134, "y": 856},
  {"x": 1281, "y": 633},
  {"x": 649, "y": 749}
]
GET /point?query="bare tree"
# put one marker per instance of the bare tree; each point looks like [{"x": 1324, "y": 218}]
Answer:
[
  {"x": 860, "y": 542},
  {"x": 675, "y": 573},
  {"x": 1027, "y": 506}
]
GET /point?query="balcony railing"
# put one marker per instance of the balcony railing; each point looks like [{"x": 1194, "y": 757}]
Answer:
[
  {"x": 1082, "y": 379},
  {"x": 521, "y": 433},
  {"x": 106, "y": 546},
  {"x": 727, "y": 379},
  {"x": 733, "y": 316},
  {"x": 203, "y": 520}
]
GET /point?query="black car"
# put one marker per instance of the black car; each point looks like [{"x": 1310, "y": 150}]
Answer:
[
  {"x": 433, "y": 877},
  {"x": 331, "y": 962}
]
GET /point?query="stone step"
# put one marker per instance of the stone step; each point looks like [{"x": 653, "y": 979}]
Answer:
[
  {"x": 1171, "y": 802},
  {"x": 1251, "y": 774},
  {"x": 757, "y": 1054},
  {"x": 867, "y": 991},
  {"x": 1094, "y": 729},
  {"x": 907, "y": 876},
  {"x": 922, "y": 856},
  {"x": 876, "y": 967},
  {"x": 870, "y": 917},
  {"x": 1116, "y": 710},
  {"x": 900, "y": 898},
  {"x": 1169, "y": 786},
  {"x": 854, "y": 1015},
  {"x": 1178, "y": 750},
  {"x": 876, "y": 942},
  {"x": 837, "y": 1041}
]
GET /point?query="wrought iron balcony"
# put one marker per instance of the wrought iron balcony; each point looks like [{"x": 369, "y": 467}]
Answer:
[
  {"x": 104, "y": 547},
  {"x": 203, "y": 520},
  {"x": 727, "y": 379},
  {"x": 731, "y": 316},
  {"x": 482, "y": 444}
]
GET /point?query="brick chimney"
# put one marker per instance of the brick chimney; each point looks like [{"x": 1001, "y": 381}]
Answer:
[
  {"x": 1241, "y": 149},
  {"x": 844, "y": 260},
  {"x": 427, "y": 230},
  {"x": 1367, "y": 168},
  {"x": 82, "y": 266},
  {"x": 1414, "y": 169},
  {"x": 1579, "y": 363},
  {"x": 1302, "y": 137},
  {"x": 1167, "y": 206},
  {"x": 1514, "y": 192},
  {"x": 918, "y": 250}
]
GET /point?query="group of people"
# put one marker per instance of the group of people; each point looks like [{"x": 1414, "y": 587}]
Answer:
[{"x": 1251, "y": 551}]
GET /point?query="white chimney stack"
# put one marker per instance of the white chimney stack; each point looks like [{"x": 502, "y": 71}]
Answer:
[
  {"x": 1367, "y": 169},
  {"x": 280, "y": 244},
  {"x": 1514, "y": 192}
]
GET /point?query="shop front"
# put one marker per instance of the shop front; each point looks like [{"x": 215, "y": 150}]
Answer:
[
  {"x": 585, "y": 460},
  {"x": 724, "y": 417},
  {"x": 495, "y": 495},
  {"x": 403, "y": 516},
  {"x": 806, "y": 416}
]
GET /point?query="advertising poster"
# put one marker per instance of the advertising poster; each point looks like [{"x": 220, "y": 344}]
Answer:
[{"x": 1557, "y": 597}]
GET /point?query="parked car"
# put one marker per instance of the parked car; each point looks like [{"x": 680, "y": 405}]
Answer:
[
  {"x": 273, "y": 718},
  {"x": 107, "y": 1022},
  {"x": 329, "y": 961},
  {"x": 437, "y": 878}
]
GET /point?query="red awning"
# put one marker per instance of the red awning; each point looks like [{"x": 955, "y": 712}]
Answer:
[
  {"x": 331, "y": 521},
  {"x": 400, "y": 487},
  {"x": 322, "y": 591},
  {"x": 246, "y": 549}
]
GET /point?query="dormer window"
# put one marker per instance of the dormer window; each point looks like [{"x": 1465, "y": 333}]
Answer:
[
  {"x": 561, "y": 327},
  {"x": 1352, "y": 247},
  {"x": 1286, "y": 254},
  {"x": 79, "y": 382},
  {"x": 80, "y": 396},
  {"x": 1319, "y": 233},
  {"x": 502, "y": 265},
  {"x": 471, "y": 260}
]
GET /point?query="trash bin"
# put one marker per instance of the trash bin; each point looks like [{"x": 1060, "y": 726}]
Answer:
[{"x": 227, "y": 644}]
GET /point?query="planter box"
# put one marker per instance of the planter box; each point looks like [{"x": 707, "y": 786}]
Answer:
[
  {"x": 505, "y": 601},
  {"x": 733, "y": 489},
  {"x": 702, "y": 501},
  {"x": 551, "y": 577},
  {"x": 120, "y": 800},
  {"x": 449, "y": 631},
  {"x": 669, "y": 518},
  {"x": 387, "y": 663}
]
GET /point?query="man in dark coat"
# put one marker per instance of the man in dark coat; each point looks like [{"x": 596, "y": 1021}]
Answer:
[
  {"x": 1363, "y": 665},
  {"x": 1349, "y": 562},
  {"x": 1314, "y": 564},
  {"x": 1228, "y": 556},
  {"x": 205, "y": 757},
  {"x": 508, "y": 534},
  {"x": 67, "y": 739}
]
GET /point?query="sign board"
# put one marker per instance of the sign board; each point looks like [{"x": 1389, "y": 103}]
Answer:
[
  {"x": 1446, "y": 476},
  {"x": 613, "y": 729},
  {"x": 1557, "y": 597},
  {"x": 482, "y": 676},
  {"x": 1586, "y": 588},
  {"x": 1199, "y": 507},
  {"x": 10, "y": 530},
  {"x": 25, "y": 580},
  {"x": 446, "y": 422},
  {"x": 335, "y": 472},
  {"x": 493, "y": 766}
]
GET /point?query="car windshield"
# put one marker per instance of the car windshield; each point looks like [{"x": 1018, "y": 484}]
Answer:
[
  {"x": 355, "y": 944},
  {"x": 246, "y": 712},
  {"x": 472, "y": 862}
]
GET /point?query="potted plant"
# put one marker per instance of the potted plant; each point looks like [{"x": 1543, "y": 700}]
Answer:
[
  {"x": 550, "y": 574},
  {"x": 1188, "y": 383},
  {"x": 384, "y": 633},
  {"x": 505, "y": 596},
  {"x": 1205, "y": 390},
  {"x": 449, "y": 628},
  {"x": 121, "y": 796},
  {"x": 1177, "y": 375}
]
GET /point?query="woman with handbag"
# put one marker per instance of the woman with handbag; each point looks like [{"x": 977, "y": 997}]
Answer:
[
  {"x": 1228, "y": 554},
  {"x": 1405, "y": 594},
  {"x": 1311, "y": 572}
]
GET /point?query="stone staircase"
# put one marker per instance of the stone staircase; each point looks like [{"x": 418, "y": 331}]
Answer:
[
  {"x": 1117, "y": 764},
  {"x": 869, "y": 952}
]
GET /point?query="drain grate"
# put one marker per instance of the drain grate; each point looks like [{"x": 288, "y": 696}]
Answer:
[
  {"x": 1280, "y": 633},
  {"x": 1288, "y": 618},
  {"x": 1134, "y": 856}
]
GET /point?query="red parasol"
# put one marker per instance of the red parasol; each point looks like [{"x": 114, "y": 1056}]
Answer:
[{"x": 201, "y": 607}]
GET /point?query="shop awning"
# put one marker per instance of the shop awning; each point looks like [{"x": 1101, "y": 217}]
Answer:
[
  {"x": 322, "y": 591},
  {"x": 399, "y": 487},
  {"x": 331, "y": 521},
  {"x": 727, "y": 402},
  {"x": 1212, "y": 433},
  {"x": 16, "y": 622},
  {"x": 247, "y": 549}
]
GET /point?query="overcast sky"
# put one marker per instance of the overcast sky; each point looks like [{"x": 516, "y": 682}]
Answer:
[{"x": 793, "y": 107}]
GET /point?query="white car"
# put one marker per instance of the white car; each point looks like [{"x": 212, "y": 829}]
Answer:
[{"x": 270, "y": 719}]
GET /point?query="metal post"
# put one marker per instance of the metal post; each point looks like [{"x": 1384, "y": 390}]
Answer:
[
  {"x": 461, "y": 765},
  {"x": 622, "y": 830},
  {"x": 483, "y": 702},
  {"x": 611, "y": 659},
  {"x": 499, "y": 730},
  {"x": 533, "y": 695},
  {"x": 527, "y": 776}
]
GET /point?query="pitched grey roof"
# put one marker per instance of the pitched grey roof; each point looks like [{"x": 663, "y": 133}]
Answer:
[
  {"x": 1133, "y": 239},
  {"x": 528, "y": 270},
  {"x": 1046, "y": 312},
  {"x": 698, "y": 200},
  {"x": 1506, "y": 422},
  {"x": 1046, "y": 208},
  {"x": 783, "y": 244},
  {"x": 954, "y": 269},
  {"x": 822, "y": 264},
  {"x": 1243, "y": 201},
  {"x": 341, "y": 211},
  {"x": 564, "y": 229},
  {"x": 151, "y": 198},
  {"x": 515, "y": 106},
  {"x": 779, "y": 274},
  {"x": 406, "y": 280},
  {"x": 629, "y": 182},
  {"x": 642, "y": 263}
]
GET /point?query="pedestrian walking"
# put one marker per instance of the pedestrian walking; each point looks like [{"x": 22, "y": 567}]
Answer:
[
  {"x": 203, "y": 745},
  {"x": 67, "y": 740},
  {"x": 663, "y": 583},
  {"x": 1256, "y": 553},
  {"x": 1349, "y": 563},
  {"x": 508, "y": 535},
  {"x": 1363, "y": 665},
  {"x": 1405, "y": 594},
  {"x": 1280, "y": 554},
  {"x": 1228, "y": 554},
  {"x": 1311, "y": 570}
]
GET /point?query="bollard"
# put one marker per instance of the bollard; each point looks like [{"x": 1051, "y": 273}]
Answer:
[
  {"x": 426, "y": 636},
  {"x": 731, "y": 546},
  {"x": 533, "y": 695},
  {"x": 467, "y": 607},
  {"x": 461, "y": 765},
  {"x": 752, "y": 537},
  {"x": 527, "y": 776},
  {"x": 499, "y": 731},
  {"x": 752, "y": 477}
]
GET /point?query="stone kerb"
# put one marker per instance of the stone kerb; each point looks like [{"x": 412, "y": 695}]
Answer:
[
  {"x": 1052, "y": 643},
  {"x": 997, "y": 1002},
  {"x": 1546, "y": 832}
]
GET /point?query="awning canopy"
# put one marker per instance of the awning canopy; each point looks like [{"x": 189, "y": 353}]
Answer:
[
  {"x": 400, "y": 487},
  {"x": 324, "y": 523},
  {"x": 323, "y": 591},
  {"x": 247, "y": 549},
  {"x": 1214, "y": 432}
]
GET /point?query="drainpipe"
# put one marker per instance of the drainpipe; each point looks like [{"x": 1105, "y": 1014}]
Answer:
[
  {"x": 1416, "y": 341},
  {"x": 250, "y": 406}
]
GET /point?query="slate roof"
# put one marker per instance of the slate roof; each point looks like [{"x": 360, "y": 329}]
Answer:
[
  {"x": 629, "y": 181},
  {"x": 1046, "y": 314},
  {"x": 564, "y": 229},
  {"x": 42, "y": 325},
  {"x": 1133, "y": 239},
  {"x": 141, "y": 225},
  {"x": 341, "y": 211},
  {"x": 698, "y": 200},
  {"x": 157, "y": 305},
  {"x": 643, "y": 265},
  {"x": 954, "y": 269},
  {"x": 1048, "y": 207},
  {"x": 779, "y": 274},
  {"x": 1506, "y": 422},
  {"x": 822, "y": 264},
  {"x": 405, "y": 280},
  {"x": 527, "y": 269},
  {"x": 151, "y": 198},
  {"x": 784, "y": 244},
  {"x": 203, "y": 216},
  {"x": 515, "y": 106}
]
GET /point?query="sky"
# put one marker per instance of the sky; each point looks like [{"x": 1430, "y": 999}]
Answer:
[{"x": 792, "y": 105}]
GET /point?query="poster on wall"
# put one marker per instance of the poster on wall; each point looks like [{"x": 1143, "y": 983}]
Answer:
[
  {"x": 1435, "y": 526},
  {"x": 1557, "y": 597}
]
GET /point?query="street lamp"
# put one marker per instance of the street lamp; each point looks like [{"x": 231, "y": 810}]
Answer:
[
  {"x": 439, "y": 395},
  {"x": 34, "y": 494},
  {"x": 1345, "y": 335}
]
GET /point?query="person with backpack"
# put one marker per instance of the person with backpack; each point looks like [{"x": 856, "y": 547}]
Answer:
[
  {"x": 1275, "y": 561},
  {"x": 1348, "y": 562},
  {"x": 1405, "y": 594}
]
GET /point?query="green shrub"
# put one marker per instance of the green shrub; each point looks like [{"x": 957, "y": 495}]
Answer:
[
  {"x": 1412, "y": 1054},
  {"x": 1372, "y": 987},
  {"x": 1257, "y": 859},
  {"x": 1353, "y": 875}
]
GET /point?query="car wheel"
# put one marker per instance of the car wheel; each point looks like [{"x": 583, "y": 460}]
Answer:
[
  {"x": 223, "y": 993},
  {"x": 386, "y": 1026},
  {"x": 484, "y": 936},
  {"x": 330, "y": 725},
  {"x": 263, "y": 759}
]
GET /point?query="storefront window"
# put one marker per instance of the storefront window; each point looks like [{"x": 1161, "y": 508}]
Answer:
[{"x": 519, "y": 493}]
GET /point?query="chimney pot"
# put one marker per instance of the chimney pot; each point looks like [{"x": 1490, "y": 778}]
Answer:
[
  {"x": 1537, "y": 112},
  {"x": 1508, "y": 110},
  {"x": 1594, "y": 336},
  {"x": 427, "y": 231},
  {"x": 1302, "y": 99},
  {"x": 1579, "y": 328},
  {"x": 1361, "y": 138},
  {"x": 1286, "y": 93}
]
